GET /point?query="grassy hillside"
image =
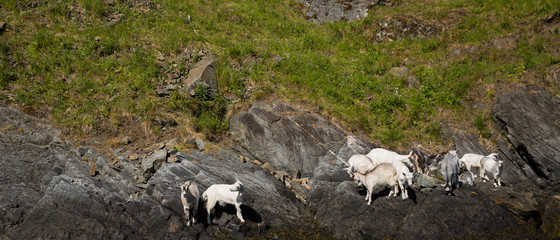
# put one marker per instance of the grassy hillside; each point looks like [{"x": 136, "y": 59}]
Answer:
[{"x": 92, "y": 65}]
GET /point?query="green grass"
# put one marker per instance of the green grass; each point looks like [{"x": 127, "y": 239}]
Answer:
[{"x": 74, "y": 62}]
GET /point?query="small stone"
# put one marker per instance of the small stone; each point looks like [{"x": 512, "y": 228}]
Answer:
[
  {"x": 81, "y": 151},
  {"x": 182, "y": 156},
  {"x": 242, "y": 159},
  {"x": 281, "y": 175},
  {"x": 171, "y": 87},
  {"x": 93, "y": 170},
  {"x": 199, "y": 144},
  {"x": 97, "y": 38},
  {"x": 172, "y": 158},
  {"x": 172, "y": 151},
  {"x": 268, "y": 167},
  {"x": 171, "y": 144},
  {"x": 125, "y": 140},
  {"x": 162, "y": 92},
  {"x": 256, "y": 162},
  {"x": 133, "y": 157}
]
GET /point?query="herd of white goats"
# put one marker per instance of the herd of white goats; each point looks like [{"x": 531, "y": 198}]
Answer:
[{"x": 378, "y": 169}]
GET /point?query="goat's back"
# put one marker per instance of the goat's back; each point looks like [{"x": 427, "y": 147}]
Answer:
[
  {"x": 384, "y": 172},
  {"x": 490, "y": 164},
  {"x": 449, "y": 164},
  {"x": 221, "y": 192},
  {"x": 472, "y": 159},
  {"x": 360, "y": 163}
]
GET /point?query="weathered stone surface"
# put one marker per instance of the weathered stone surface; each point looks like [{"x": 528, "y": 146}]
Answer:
[
  {"x": 57, "y": 199},
  {"x": 153, "y": 162},
  {"x": 336, "y": 10},
  {"x": 550, "y": 211},
  {"x": 468, "y": 213},
  {"x": 203, "y": 73},
  {"x": 289, "y": 139},
  {"x": 267, "y": 201},
  {"x": 426, "y": 181},
  {"x": 529, "y": 120},
  {"x": 199, "y": 144}
]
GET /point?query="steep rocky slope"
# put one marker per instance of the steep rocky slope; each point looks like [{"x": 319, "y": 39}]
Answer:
[{"x": 291, "y": 164}]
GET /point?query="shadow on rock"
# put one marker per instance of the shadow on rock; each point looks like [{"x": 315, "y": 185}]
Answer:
[{"x": 229, "y": 212}]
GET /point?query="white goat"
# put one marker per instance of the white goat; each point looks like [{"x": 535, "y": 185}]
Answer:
[
  {"x": 382, "y": 175},
  {"x": 359, "y": 163},
  {"x": 404, "y": 178},
  {"x": 492, "y": 166},
  {"x": 449, "y": 171},
  {"x": 467, "y": 177},
  {"x": 224, "y": 194},
  {"x": 471, "y": 160},
  {"x": 380, "y": 155},
  {"x": 189, "y": 197}
]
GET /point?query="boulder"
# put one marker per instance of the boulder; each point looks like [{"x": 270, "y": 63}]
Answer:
[
  {"x": 289, "y": 139},
  {"x": 529, "y": 120},
  {"x": 153, "y": 162},
  {"x": 336, "y": 10},
  {"x": 203, "y": 73}
]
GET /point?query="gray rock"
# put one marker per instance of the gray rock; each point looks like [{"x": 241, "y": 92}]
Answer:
[
  {"x": 465, "y": 215},
  {"x": 466, "y": 143},
  {"x": 199, "y": 144},
  {"x": 152, "y": 163},
  {"x": 289, "y": 139},
  {"x": 267, "y": 200},
  {"x": 203, "y": 73},
  {"x": 336, "y": 10},
  {"x": 81, "y": 151},
  {"x": 181, "y": 156},
  {"x": 529, "y": 121},
  {"x": 426, "y": 181}
]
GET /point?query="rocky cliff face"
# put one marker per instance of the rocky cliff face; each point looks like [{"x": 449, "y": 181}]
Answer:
[
  {"x": 529, "y": 119},
  {"x": 291, "y": 163},
  {"x": 48, "y": 192}
]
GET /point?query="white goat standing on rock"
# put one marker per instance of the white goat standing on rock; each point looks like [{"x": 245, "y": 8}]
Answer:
[
  {"x": 493, "y": 166},
  {"x": 224, "y": 194},
  {"x": 470, "y": 160},
  {"x": 381, "y": 176},
  {"x": 450, "y": 171},
  {"x": 380, "y": 155},
  {"x": 404, "y": 175},
  {"x": 190, "y": 197}
]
